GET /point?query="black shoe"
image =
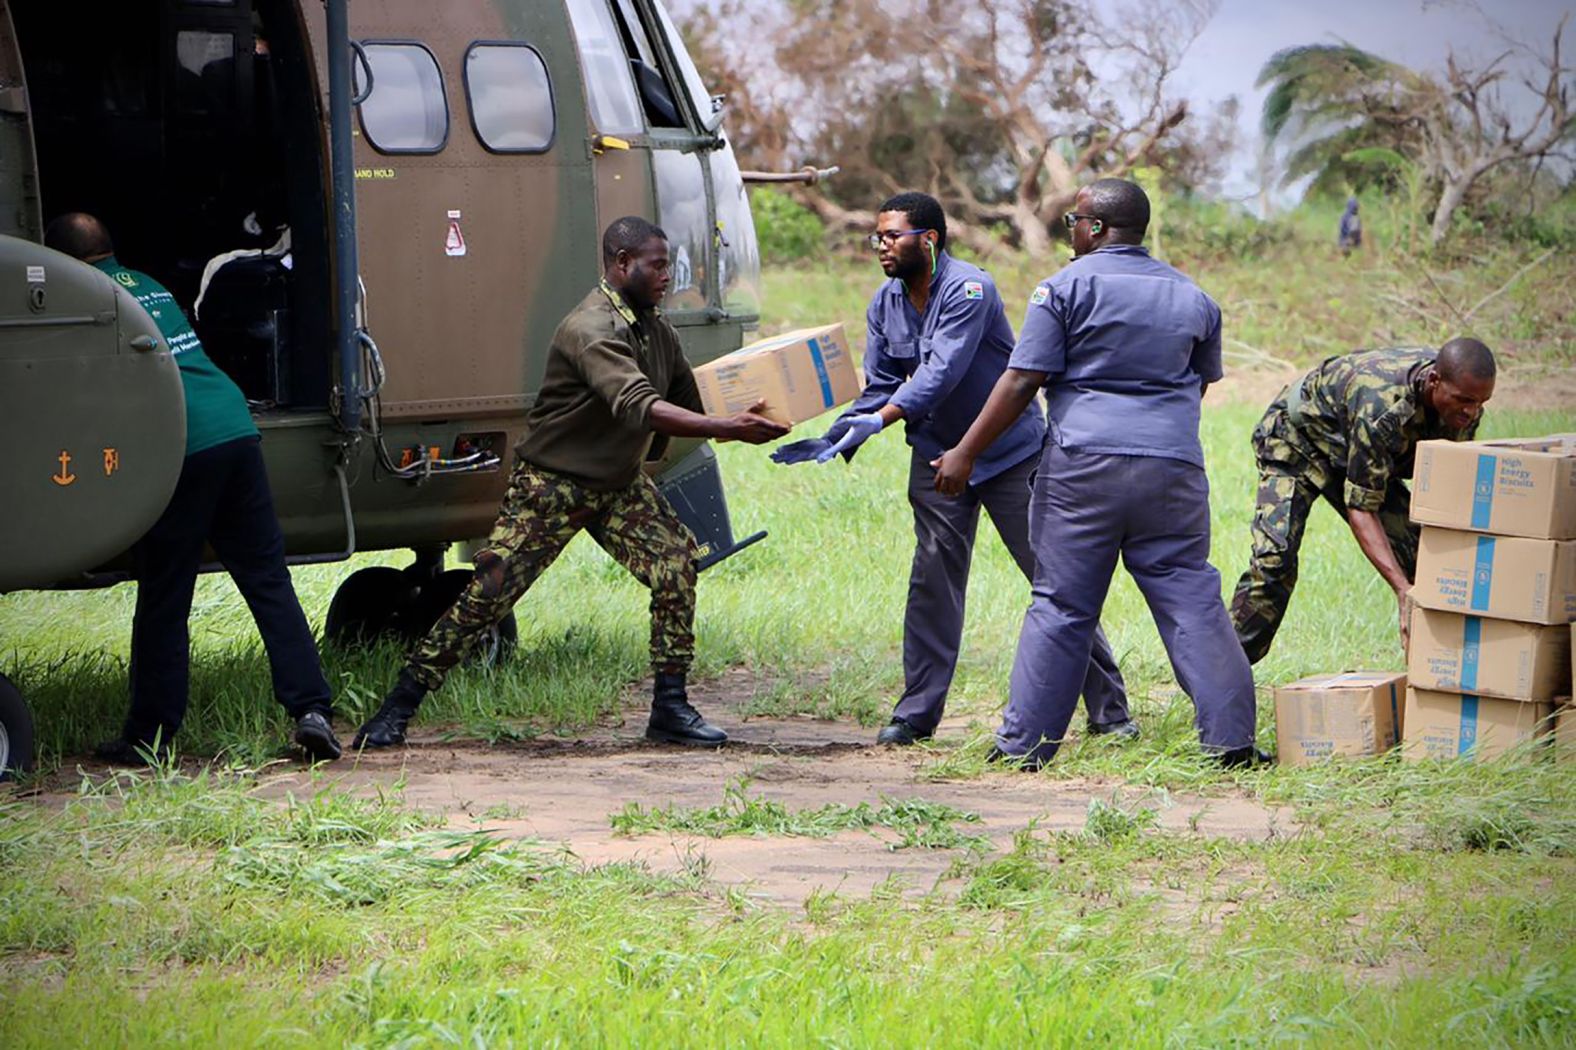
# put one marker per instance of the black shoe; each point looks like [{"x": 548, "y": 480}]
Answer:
[
  {"x": 1125, "y": 731},
  {"x": 900, "y": 733},
  {"x": 387, "y": 727},
  {"x": 1244, "y": 758},
  {"x": 1023, "y": 763},
  {"x": 123, "y": 752},
  {"x": 316, "y": 737},
  {"x": 674, "y": 719}
]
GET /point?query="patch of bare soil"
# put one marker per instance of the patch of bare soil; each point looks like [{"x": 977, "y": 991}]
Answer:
[
  {"x": 563, "y": 791},
  {"x": 1528, "y": 387}
]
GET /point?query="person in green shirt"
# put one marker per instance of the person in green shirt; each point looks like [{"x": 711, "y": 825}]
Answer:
[
  {"x": 222, "y": 499},
  {"x": 617, "y": 387}
]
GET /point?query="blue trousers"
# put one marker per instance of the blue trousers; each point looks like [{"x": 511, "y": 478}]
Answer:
[
  {"x": 222, "y": 499},
  {"x": 1087, "y": 509},
  {"x": 944, "y": 530}
]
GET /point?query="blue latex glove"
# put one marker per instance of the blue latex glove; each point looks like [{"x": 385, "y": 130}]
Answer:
[
  {"x": 800, "y": 451},
  {"x": 810, "y": 448},
  {"x": 860, "y": 429}
]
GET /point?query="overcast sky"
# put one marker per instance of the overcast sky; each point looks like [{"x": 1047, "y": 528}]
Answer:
[{"x": 1227, "y": 56}]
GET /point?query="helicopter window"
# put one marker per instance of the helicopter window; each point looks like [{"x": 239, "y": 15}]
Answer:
[
  {"x": 656, "y": 94},
  {"x": 511, "y": 98},
  {"x": 206, "y": 84},
  {"x": 705, "y": 104},
  {"x": 406, "y": 111},
  {"x": 609, "y": 89}
]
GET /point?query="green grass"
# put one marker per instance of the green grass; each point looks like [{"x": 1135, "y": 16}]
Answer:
[
  {"x": 163, "y": 909},
  {"x": 1397, "y": 904},
  {"x": 918, "y": 823}
]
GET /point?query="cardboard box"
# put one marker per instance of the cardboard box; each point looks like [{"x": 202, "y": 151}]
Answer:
[
  {"x": 1448, "y": 725},
  {"x": 1513, "y": 487},
  {"x": 800, "y": 374},
  {"x": 1506, "y": 577},
  {"x": 1355, "y": 713},
  {"x": 1475, "y": 654}
]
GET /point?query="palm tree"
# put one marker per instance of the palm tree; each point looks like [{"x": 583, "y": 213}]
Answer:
[{"x": 1333, "y": 105}]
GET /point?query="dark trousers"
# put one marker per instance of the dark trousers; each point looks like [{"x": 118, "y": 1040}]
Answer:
[
  {"x": 1089, "y": 509},
  {"x": 944, "y": 530},
  {"x": 1286, "y": 497},
  {"x": 222, "y": 499}
]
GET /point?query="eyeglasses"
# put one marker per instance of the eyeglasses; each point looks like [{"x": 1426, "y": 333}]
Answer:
[
  {"x": 1071, "y": 218},
  {"x": 888, "y": 238}
]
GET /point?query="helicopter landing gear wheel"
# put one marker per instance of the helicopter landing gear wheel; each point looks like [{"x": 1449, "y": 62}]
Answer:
[
  {"x": 435, "y": 599},
  {"x": 16, "y": 731},
  {"x": 366, "y": 607}
]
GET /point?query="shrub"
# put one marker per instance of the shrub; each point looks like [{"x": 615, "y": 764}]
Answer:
[{"x": 786, "y": 229}]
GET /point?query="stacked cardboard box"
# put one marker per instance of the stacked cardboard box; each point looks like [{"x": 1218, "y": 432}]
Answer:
[{"x": 1489, "y": 660}]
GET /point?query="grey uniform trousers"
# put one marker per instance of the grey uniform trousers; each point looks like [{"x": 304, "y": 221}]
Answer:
[
  {"x": 1087, "y": 509},
  {"x": 933, "y": 623}
]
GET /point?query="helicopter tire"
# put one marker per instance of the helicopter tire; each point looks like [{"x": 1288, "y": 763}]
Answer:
[
  {"x": 16, "y": 731},
  {"x": 435, "y": 599},
  {"x": 367, "y": 607}
]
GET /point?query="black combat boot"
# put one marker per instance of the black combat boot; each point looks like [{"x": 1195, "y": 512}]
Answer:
[
  {"x": 674, "y": 720},
  {"x": 387, "y": 727}
]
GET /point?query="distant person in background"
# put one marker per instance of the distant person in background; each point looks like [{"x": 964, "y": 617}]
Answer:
[
  {"x": 938, "y": 339},
  {"x": 1348, "y": 432},
  {"x": 222, "y": 499},
  {"x": 1351, "y": 233}
]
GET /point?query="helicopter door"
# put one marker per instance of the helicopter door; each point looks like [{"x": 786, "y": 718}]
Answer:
[{"x": 18, "y": 165}]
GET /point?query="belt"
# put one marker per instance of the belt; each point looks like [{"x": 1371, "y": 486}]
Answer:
[{"x": 1294, "y": 401}]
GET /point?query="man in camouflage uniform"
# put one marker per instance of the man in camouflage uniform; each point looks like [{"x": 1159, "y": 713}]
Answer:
[
  {"x": 1348, "y": 431},
  {"x": 616, "y": 376}
]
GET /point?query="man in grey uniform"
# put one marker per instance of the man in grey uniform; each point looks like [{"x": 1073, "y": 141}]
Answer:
[
  {"x": 1124, "y": 346},
  {"x": 938, "y": 339}
]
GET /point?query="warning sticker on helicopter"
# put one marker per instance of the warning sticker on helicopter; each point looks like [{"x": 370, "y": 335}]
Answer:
[
  {"x": 35, "y": 275},
  {"x": 454, "y": 242}
]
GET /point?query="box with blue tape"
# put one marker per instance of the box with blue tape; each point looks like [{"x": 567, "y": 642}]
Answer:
[
  {"x": 1508, "y": 577},
  {"x": 1500, "y": 658},
  {"x": 799, "y": 374},
  {"x": 1456, "y": 725},
  {"x": 1511, "y": 487}
]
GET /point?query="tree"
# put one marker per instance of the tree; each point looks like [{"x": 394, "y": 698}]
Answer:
[
  {"x": 1000, "y": 110},
  {"x": 1332, "y": 102}
]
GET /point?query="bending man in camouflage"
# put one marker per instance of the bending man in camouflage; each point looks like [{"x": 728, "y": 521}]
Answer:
[
  {"x": 616, "y": 375},
  {"x": 1348, "y": 431}
]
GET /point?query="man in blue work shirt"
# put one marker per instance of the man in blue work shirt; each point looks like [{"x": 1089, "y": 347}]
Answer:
[
  {"x": 938, "y": 339},
  {"x": 1124, "y": 346},
  {"x": 221, "y": 499}
]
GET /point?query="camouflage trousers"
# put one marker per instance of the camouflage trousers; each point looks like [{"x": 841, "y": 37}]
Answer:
[
  {"x": 541, "y": 513},
  {"x": 1289, "y": 485}
]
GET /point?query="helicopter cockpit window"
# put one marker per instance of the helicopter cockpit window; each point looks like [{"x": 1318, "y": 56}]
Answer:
[
  {"x": 656, "y": 94},
  {"x": 609, "y": 87},
  {"x": 406, "y": 111},
  {"x": 511, "y": 98},
  {"x": 704, "y": 105}
]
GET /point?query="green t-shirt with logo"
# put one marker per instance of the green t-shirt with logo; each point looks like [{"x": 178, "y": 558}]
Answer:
[{"x": 216, "y": 409}]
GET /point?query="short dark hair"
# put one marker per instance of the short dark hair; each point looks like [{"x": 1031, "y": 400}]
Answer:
[
  {"x": 79, "y": 235},
  {"x": 923, "y": 211},
  {"x": 1465, "y": 356},
  {"x": 628, "y": 234},
  {"x": 1120, "y": 204}
]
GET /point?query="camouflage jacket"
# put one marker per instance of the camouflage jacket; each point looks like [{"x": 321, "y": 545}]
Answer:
[{"x": 1356, "y": 420}]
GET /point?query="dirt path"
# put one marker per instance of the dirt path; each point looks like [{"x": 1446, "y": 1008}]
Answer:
[{"x": 563, "y": 791}]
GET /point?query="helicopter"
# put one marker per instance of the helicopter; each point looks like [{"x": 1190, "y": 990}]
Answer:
[{"x": 376, "y": 220}]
